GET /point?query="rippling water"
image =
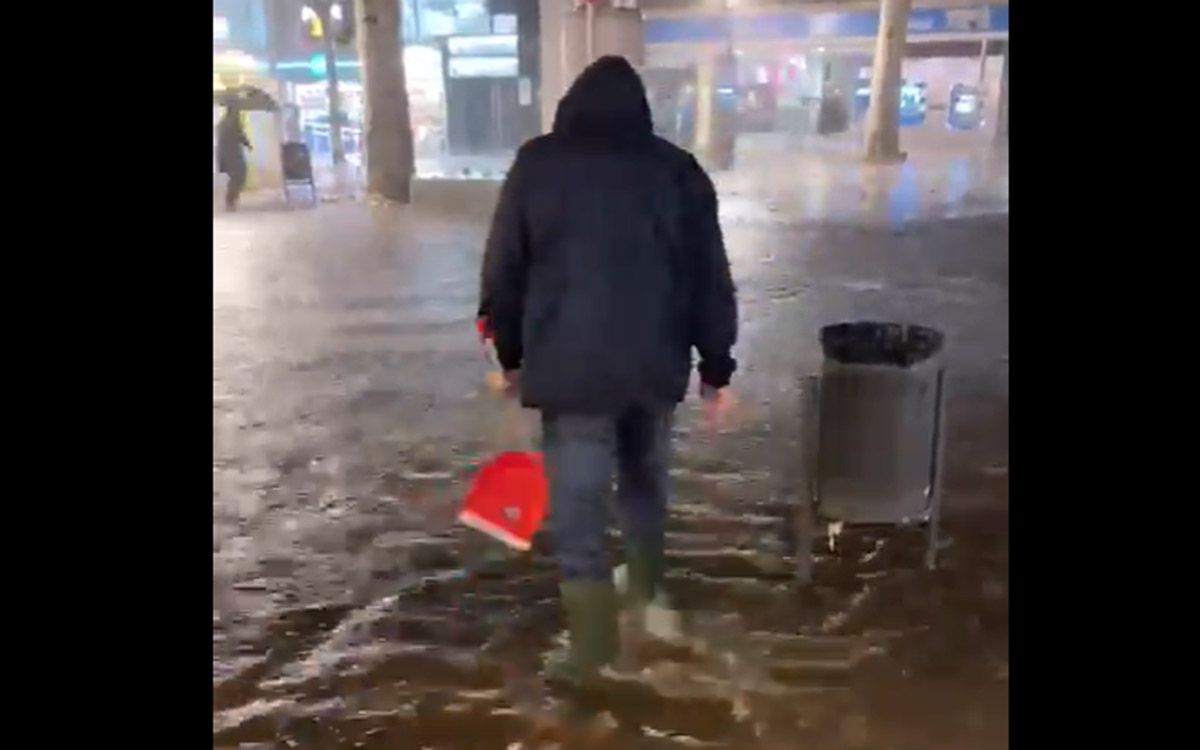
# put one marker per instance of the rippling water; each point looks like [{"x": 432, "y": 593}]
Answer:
[{"x": 351, "y": 611}]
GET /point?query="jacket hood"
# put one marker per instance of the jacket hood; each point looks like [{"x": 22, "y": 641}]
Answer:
[{"x": 606, "y": 100}]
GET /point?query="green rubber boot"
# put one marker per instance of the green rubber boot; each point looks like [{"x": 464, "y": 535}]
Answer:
[
  {"x": 644, "y": 568},
  {"x": 650, "y": 610},
  {"x": 591, "y": 609}
]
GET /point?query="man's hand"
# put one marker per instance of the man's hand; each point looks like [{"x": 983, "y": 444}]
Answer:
[
  {"x": 506, "y": 384},
  {"x": 512, "y": 384},
  {"x": 717, "y": 404},
  {"x": 483, "y": 327}
]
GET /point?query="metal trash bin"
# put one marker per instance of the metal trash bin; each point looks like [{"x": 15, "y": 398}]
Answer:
[
  {"x": 297, "y": 169},
  {"x": 880, "y": 426}
]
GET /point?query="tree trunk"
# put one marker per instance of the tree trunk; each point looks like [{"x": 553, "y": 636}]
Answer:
[
  {"x": 324, "y": 13},
  {"x": 883, "y": 116},
  {"x": 1002, "y": 106},
  {"x": 389, "y": 140}
]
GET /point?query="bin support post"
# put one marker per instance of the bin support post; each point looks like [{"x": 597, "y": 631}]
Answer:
[
  {"x": 805, "y": 520},
  {"x": 935, "y": 471}
]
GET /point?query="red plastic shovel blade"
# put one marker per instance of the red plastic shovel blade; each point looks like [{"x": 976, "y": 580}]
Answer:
[{"x": 508, "y": 499}]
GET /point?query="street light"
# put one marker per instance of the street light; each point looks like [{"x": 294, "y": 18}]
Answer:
[
  {"x": 316, "y": 29},
  {"x": 319, "y": 18}
]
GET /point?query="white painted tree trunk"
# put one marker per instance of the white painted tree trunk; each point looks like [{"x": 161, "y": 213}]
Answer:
[
  {"x": 388, "y": 130},
  {"x": 883, "y": 116}
]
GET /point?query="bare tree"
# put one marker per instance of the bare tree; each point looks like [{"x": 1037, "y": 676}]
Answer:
[
  {"x": 883, "y": 116},
  {"x": 388, "y": 130}
]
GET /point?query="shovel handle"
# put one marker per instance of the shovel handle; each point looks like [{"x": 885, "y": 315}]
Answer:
[{"x": 514, "y": 432}]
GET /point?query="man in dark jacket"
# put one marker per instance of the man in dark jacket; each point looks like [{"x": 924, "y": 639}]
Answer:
[
  {"x": 231, "y": 160},
  {"x": 605, "y": 266}
]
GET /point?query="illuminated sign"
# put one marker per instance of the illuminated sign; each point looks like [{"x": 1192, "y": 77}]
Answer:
[
  {"x": 237, "y": 60},
  {"x": 483, "y": 67},
  {"x": 499, "y": 45},
  {"x": 315, "y": 65},
  {"x": 220, "y": 29}
]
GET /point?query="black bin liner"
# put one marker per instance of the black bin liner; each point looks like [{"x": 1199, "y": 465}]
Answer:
[
  {"x": 874, "y": 343},
  {"x": 297, "y": 162}
]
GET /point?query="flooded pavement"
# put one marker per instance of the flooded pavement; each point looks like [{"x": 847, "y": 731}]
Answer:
[
  {"x": 349, "y": 610},
  {"x": 824, "y": 179}
]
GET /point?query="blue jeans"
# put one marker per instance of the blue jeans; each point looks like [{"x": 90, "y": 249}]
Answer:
[{"x": 580, "y": 451}]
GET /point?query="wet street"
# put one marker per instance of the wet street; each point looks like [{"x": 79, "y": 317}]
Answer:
[{"x": 350, "y": 610}]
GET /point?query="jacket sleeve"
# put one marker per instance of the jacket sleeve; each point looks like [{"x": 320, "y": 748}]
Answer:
[
  {"x": 714, "y": 312},
  {"x": 505, "y": 270}
]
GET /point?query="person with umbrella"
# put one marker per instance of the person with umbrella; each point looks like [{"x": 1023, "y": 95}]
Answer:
[{"x": 231, "y": 159}]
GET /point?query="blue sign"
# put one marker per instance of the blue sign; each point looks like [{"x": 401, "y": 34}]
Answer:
[
  {"x": 998, "y": 19},
  {"x": 801, "y": 25}
]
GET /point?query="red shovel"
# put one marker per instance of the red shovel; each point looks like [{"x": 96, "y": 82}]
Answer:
[
  {"x": 508, "y": 497},
  {"x": 507, "y": 500}
]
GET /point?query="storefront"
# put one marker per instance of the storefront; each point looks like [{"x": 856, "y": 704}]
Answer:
[
  {"x": 488, "y": 84},
  {"x": 803, "y": 72},
  {"x": 482, "y": 94},
  {"x": 471, "y": 85},
  {"x": 305, "y": 94},
  {"x": 308, "y": 118}
]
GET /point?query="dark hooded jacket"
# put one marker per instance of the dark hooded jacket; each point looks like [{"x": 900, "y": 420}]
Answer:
[{"x": 605, "y": 263}]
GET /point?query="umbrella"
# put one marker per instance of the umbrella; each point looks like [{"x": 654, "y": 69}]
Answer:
[{"x": 246, "y": 98}]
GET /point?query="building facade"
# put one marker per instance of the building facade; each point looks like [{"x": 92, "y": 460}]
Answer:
[{"x": 485, "y": 75}]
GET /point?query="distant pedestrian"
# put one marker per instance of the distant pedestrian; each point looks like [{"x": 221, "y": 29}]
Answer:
[
  {"x": 231, "y": 159},
  {"x": 605, "y": 266}
]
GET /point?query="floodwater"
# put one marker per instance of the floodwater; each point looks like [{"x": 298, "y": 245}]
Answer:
[{"x": 349, "y": 610}]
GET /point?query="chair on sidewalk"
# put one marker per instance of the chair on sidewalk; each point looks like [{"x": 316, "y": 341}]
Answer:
[{"x": 297, "y": 169}]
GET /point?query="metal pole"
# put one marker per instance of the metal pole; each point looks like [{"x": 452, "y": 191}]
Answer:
[
  {"x": 590, "y": 30},
  {"x": 936, "y": 470},
  {"x": 804, "y": 521},
  {"x": 983, "y": 46},
  {"x": 325, "y": 14}
]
